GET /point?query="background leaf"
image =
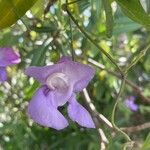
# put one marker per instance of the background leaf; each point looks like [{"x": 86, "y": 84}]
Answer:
[
  {"x": 12, "y": 10},
  {"x": 38, "y": 8},
  {"x": 134, "y": 10},
  {"x": 146, "y": 144}
]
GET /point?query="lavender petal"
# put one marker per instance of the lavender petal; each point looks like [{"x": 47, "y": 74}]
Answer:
[
  {"x": 44, "y": 113},
  {"x": 8, "y": 57},
  {"x": 79, "y": 114},
  {"x": 3, "y": 74}
]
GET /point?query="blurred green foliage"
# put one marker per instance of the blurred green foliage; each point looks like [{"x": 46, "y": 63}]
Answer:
[
  {"x": 43, "y": 39},
  {"x": 12, "y": 10}
]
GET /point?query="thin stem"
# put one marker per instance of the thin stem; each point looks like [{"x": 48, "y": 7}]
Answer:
[
  {"x": 114, "y": 110},
  {"x": 137, "y": 127},
  {"x": 94, "y": 112},
  {"x": 97, "y": 118},
  {"x": 71, "y": 41},
  {"x": 104, "y": 140},
  {"x": 139, "y": 56},
  {"x": 92, "y": 40},
  {"x": 71, "y": 36}
]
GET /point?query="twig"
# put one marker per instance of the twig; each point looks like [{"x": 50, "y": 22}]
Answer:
[
  {"x": 92, "y": 109},
  {"x": 97, "y": 118},
  {"x": 104, "y": 140},
  {"x": 137, "y": 128},
  {"x": 128, "y": 82}
]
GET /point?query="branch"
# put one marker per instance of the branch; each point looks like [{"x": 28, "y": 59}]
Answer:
[
  {"x": 128, "y": 82},
  {"x": 104, "y": 140},
  {"x": 137, "y": 128},
  {"x": 97, "y": 118},
  {"x": 96, "y": 115}
]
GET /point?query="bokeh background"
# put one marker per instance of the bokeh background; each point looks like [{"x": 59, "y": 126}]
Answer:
[{"x": 43, "y": 39}]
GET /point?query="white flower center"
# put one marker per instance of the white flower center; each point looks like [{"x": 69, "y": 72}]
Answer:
[{"x": 57, "y": 81}]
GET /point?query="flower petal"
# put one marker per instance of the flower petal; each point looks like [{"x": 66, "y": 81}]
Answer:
[
  {"x": 3, "y": 74},
  {"x": 43, "y": 112},
  {"x": 64, "y": 59},
  {"x": 61, "y": 96},
  {"x": 41, "y": 73},
  {"x": 132, "y": 105},
  {"x": 8, "y": 57},
  {"x": 79, "y": 114},
  {"x": 79, "y": 74}
]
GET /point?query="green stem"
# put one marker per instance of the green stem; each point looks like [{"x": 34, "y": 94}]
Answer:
[
  {"x": 114, "y": 110},
  {"x": 71, "y": 37},
  {"x": 92, "y": 40},
  {"x": 139, "y": 56},
  {"x": 71, "y": 41}
]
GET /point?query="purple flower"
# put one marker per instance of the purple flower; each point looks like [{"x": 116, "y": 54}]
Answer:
[
  {"x": 7, "y": 57},
  {"x": 60, "y": 82},
  {"x": 130, "y": 103}
]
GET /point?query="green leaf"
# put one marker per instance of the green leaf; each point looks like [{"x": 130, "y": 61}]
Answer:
[
  {"x": 38, "y": 8},
  {"x": 31, "y": 89},
  {"x": 8, "y": 38},
  {"x": 146, "y": 145},
  {"x": 134, "y": 10},
  {"x": 109, "y": 18},
  {"x": 12, "y": 10},
  {"x": 45, "y": 29},
  {"x": 124, "y": 24},
  {"x": 39, "y": 55}
]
